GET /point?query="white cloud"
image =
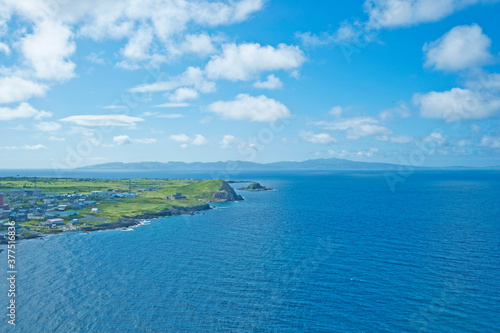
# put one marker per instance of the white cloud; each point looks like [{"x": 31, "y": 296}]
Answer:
[
  {"x": 246, "y": 107},
  {"x": 401, "y": 139},
  {"x": 180, "y": 138},
  {"x": 321, "y": 138},
  {"x": 242, "y": 62},
  {"x": 193, "y": 76},
  {"x": 336, "y": 111},
  {"x": 48, "y": 126},
  {"x": 57, "y": 139},
  {"x": 462, "y": 47},
  {"x": 25, "y": 147},
  {"x": 138, "y": 45},
  {"x": 16, "y": 89},
  {"x": 490, "y": 142},
  {"x": 200, "y": 44},
  {"x": 354, "y": 32},
  {"x": 367, "y": 130},
  {"x": 199, "y": 140},
  {"x": 23, "y": 111},
  {"x": 398, "y": 13},
  {"x": 114, "y": 107},
  {"x": 435, "y": 137},
  {"x": 227, "y": 141},
  {"x": 183, "y": 94},
  {"x": 353, "y": 154},
  {"x": 148, "y": 26},
  {"x": 96, "y": 58},
  {"x": 457, "y": 104},
  {"x": 171, "y": 105},
  {"x": 47, "y": 50},
  {"x": 103, "y": 120},
  {"x": 345, "y": 124},
  {"x": 4, "y": 48},
  {"x": 356, "y": 127},
  {"x": 121, "y": 140},
  {"x": 170, "y": 116},
  {"x": 401, "y": 111},
  {"x": 271, "y": 83}
]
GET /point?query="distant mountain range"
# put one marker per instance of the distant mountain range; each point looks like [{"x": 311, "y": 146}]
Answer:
[{"x": 316, "y": 164}]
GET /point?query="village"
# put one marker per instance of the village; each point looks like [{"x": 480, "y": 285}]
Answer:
[{"x": 54, "y": 211}]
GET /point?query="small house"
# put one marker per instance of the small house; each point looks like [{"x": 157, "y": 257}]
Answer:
[{"x": 176, "y": 196}]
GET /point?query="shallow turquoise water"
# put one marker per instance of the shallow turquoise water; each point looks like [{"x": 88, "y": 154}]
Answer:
[{"x": 324, "y": 252}]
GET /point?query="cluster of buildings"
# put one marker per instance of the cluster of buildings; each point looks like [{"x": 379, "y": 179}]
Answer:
[{"x": 51, "y": 208}]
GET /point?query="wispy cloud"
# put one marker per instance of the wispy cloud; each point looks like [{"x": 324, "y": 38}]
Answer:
[{"x": 103, "y": 120}]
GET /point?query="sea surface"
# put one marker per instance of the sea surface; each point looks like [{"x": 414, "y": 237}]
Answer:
[{"x": 323, "y": 252}]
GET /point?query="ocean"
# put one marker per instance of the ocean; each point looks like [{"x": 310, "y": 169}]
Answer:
[{"x": 323, "y": 252}]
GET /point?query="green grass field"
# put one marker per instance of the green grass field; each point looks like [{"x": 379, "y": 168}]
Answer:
[{"x": 197, "y": 192}]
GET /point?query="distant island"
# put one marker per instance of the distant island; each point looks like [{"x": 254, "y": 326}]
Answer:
[
  {"x": 316, "y": 164},
  {"x": 53, "y": 205},
  {"x": 255, "y": 187},
  {"x": 325, "y": 164}
]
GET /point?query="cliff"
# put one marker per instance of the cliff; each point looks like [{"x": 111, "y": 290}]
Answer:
[{"x": 226, "y": 193}]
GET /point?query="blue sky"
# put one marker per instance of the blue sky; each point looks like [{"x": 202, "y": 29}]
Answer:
[{"x": 399, "y": 81}]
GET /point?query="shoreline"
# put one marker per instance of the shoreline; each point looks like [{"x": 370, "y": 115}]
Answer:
[{"x": 125, "y": 222}]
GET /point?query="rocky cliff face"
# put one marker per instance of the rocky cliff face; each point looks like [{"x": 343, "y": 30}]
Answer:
[{"x": 226, "y": 193}]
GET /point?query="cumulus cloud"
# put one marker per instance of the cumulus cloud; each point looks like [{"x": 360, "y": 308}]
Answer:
[
  {"x": 180, "y": 138},
  {"x": 490, "y": 142},
  {"x": 201, "y": 44},
  {"x": 356, "y": 127},
  {"x": 400, "y": 13},
  {"x": 121, "y": 140},
  {"x": 16, "y": 89},
  {"x": 48, "y": 126},
  {"x": 462, "y": 47},
  {"x": 246, "y": 107},
  {"x": 435, "y": 137},
  {"x": 4, "y": 48},
  {"x": 321, "y": 138},
  {"x": 185, "y": 140},
  {"x": 23, "y": 111},
  {"x": 243, "y": 61},
  {"x": 103, "y": 120},
  {"x": 336, "y": 111},
  {"x": 401, "y": 111},
  {"x": 228, "y": 141},
  {"x": 48, "y": 50},
  {"x": 349, "y": 32},
  {"x": 457, "y": 104},
  {"x": 271, "y": 83},
  {"x": 183, "y": 94},
  {"x": 147, "y": 26},
  {"x": 199, "y": 140},
  {"x": 192, "y": 77}
]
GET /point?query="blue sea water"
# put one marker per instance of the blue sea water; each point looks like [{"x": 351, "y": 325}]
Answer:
[{"x": 324, "y": 252}]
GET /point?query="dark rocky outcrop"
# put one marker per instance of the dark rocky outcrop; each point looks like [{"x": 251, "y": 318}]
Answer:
[{"x": 255, "y": 187}]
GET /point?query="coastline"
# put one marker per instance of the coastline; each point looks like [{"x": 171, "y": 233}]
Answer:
[{"x": 125, "y": 222}]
